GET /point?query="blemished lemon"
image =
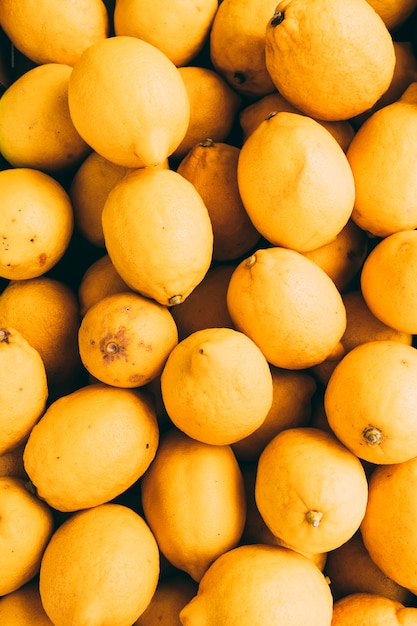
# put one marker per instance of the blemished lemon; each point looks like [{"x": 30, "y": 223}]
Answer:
[
  {"x": 158, "y": 234},
  {"x": 114, "y": 575},
  {"x": 26, "y": 526},
  {"x": 261, "y": 584},
  {"x": 332, "y": 62},
  {"x": 216, "y": 385},
  {"x": 23, "y": 388},
  {"x": 205, "y": 479},
  {"x": 137, "y": 95},
  {"x": 125, "y": 339},
  {"x": 91, "y": 445},
  {"x": 37, "y": 222}
]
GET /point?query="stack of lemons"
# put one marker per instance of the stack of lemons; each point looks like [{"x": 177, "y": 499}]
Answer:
[{"x": 208, "y": 311}]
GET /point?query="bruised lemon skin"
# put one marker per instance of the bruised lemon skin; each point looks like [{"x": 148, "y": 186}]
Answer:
[{"x": 125, "y": 339}]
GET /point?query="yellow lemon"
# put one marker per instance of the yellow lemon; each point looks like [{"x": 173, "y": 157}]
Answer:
[
  {"x": 332, "y": 61},
  {"x": 26, "y": 526},
  {"x": 91, "y": 445},
  {"x": 369, "y": 401},
  {"x": 23, "y": 607},
  {"x": 114, "y": 575},
  {"x": 89, "y": 188},
  {"x": 193, "y": 499},
  {"x": 315, "y": 505},
  {"x": 54, "y": 32},
  {"x": 37, "y": 223},
  {"x": 137, "y": 96},
  {"x": 213, "y": 107},
  {"x": 217, "y": 385},
  {"x": 125, "y": 339},
  {"x": 171, "y": 595},
  {"x": 288, "y": 306},
  {"x": 23, "y": 388},
  {"x": 299, "y": 197},
  {"x": 36, "y": 128},
  {"x": 261, "y": 584},
  {"x": 237, "y": 45},
  {"x": 46, "y": 312},
  {"x": 180, "y": 33},
  {"x": 158, "y": 234}
]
